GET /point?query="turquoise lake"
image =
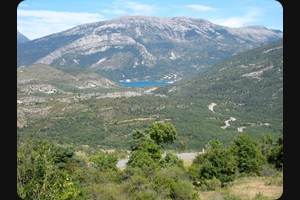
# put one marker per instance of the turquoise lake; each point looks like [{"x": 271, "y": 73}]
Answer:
[{"x": 144, "y": 83}]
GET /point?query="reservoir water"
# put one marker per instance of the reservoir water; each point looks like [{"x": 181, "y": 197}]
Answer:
[{"x": 144, "y": 83}]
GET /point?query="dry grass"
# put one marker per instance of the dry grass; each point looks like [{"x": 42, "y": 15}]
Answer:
[
  {"x": 246, "y": 188},
  {"x": 254, "y": 185}
]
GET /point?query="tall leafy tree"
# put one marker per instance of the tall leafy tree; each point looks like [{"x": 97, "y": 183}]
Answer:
[
  {"x": 248, "y": 155},
  {"x": 145, "y": 152},
  {"x": 162, "y": 132}
]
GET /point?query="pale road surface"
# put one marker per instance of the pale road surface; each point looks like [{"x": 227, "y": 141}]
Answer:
[
  {"x": 123, "y": 162},
  {"x": 211, "y": 106}
]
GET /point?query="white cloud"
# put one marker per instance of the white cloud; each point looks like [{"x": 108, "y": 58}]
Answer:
[
  {"x": 38, "y": 23},
  {"x": 137, "y": 8},
  {"x": 238, "y": 21},
  {"x": 114, "y": 11},
  {"x": 201, "y": 7}
]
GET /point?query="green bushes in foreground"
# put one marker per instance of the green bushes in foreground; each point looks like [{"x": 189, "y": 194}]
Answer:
[{"x": 50, "y": 171}]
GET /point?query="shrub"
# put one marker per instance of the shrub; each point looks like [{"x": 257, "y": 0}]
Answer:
[
  {"x": 139, "y": 187},
  {"x": 212, "y": 184},
  {"x": 42, "y": 172},
  {"x": 183, "y": 190},
  {"x": 105, "y": 161},
  {"x": 248, "y": 155},
  {"x": 172, "y": 160},
  {"x": 218, "y": 163}
]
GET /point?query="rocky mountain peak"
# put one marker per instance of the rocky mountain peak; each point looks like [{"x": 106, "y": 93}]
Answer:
[{"x": 143, "y": 47}]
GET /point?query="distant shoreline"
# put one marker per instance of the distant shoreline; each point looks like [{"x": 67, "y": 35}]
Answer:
[{"x": 143, "y": 83}]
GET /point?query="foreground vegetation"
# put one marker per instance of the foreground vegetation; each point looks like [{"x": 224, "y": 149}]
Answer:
[{"x": 47, "y": 170}]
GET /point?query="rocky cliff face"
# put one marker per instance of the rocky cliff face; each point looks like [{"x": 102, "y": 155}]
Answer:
[{"x": 144, "y": 48}]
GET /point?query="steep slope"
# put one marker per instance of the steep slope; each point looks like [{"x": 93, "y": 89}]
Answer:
[
  {"x": 144, "y": 48},
  {"x": 248, "y": 86},
  {"x": 21, "y": 38}
]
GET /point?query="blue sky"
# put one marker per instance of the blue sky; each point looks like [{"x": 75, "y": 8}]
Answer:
[{"x": 38, "y": 18}]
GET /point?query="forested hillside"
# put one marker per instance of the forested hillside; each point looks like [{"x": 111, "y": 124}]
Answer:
[
  {"x": 242, "y": 95},
  {"x": 247, "y": 87}
]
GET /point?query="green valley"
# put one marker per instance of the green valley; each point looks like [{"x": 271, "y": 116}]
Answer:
[{"x": 76, "y": 106}]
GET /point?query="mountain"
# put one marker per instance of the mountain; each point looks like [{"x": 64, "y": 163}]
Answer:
[
  {"x": 21, "y": 38},
  {"x": 249, "y": 84},
  {"x": 42, "y": 78},
  {"x": 143, "y": 48}
]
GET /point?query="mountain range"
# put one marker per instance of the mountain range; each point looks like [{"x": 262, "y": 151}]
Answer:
[
  {"x": 140, "y": 48},
  {"x": 21, "y": 38}
]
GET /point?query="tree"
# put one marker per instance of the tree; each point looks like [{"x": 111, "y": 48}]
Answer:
[
  {"x": 162, "y": 132},
  {"x": 141, "y": 159},
  {"x": 172, "y": 160},
  {"x": 248, "y": 155},
  {"x": 276, "y": 155},
  {"x": 218, "y": 163},
  {"x": 145, "y": 152},
  {"x": 214, "y": 144},
  {"x": 145, "y": 145},
  {"x": 42, "y": 172},
  {"x": 183, "y": 144},
  {"x": 105, "y": 161},
  {"x": 266, "y": 145}
]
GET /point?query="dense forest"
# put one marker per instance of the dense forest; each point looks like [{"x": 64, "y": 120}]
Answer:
[{"x": 47, "y": 170}]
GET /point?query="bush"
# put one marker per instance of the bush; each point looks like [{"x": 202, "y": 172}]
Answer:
[
  {"x": 42, "y": 172},
  {"x": 105, "y": 161},
  {"x": 212, "y": 184},
  {"x": 248, "y": 155},
  {"x": 168, "y": 184},
  {"x": 183, "y": 190},
  {"x": 107, "y": 192},
  {"x": 172, "y": 160},
  {"x": 218, "y": 163},
  {"x": 140, "y": 159},
  {"x": 139, "y": 187}
]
